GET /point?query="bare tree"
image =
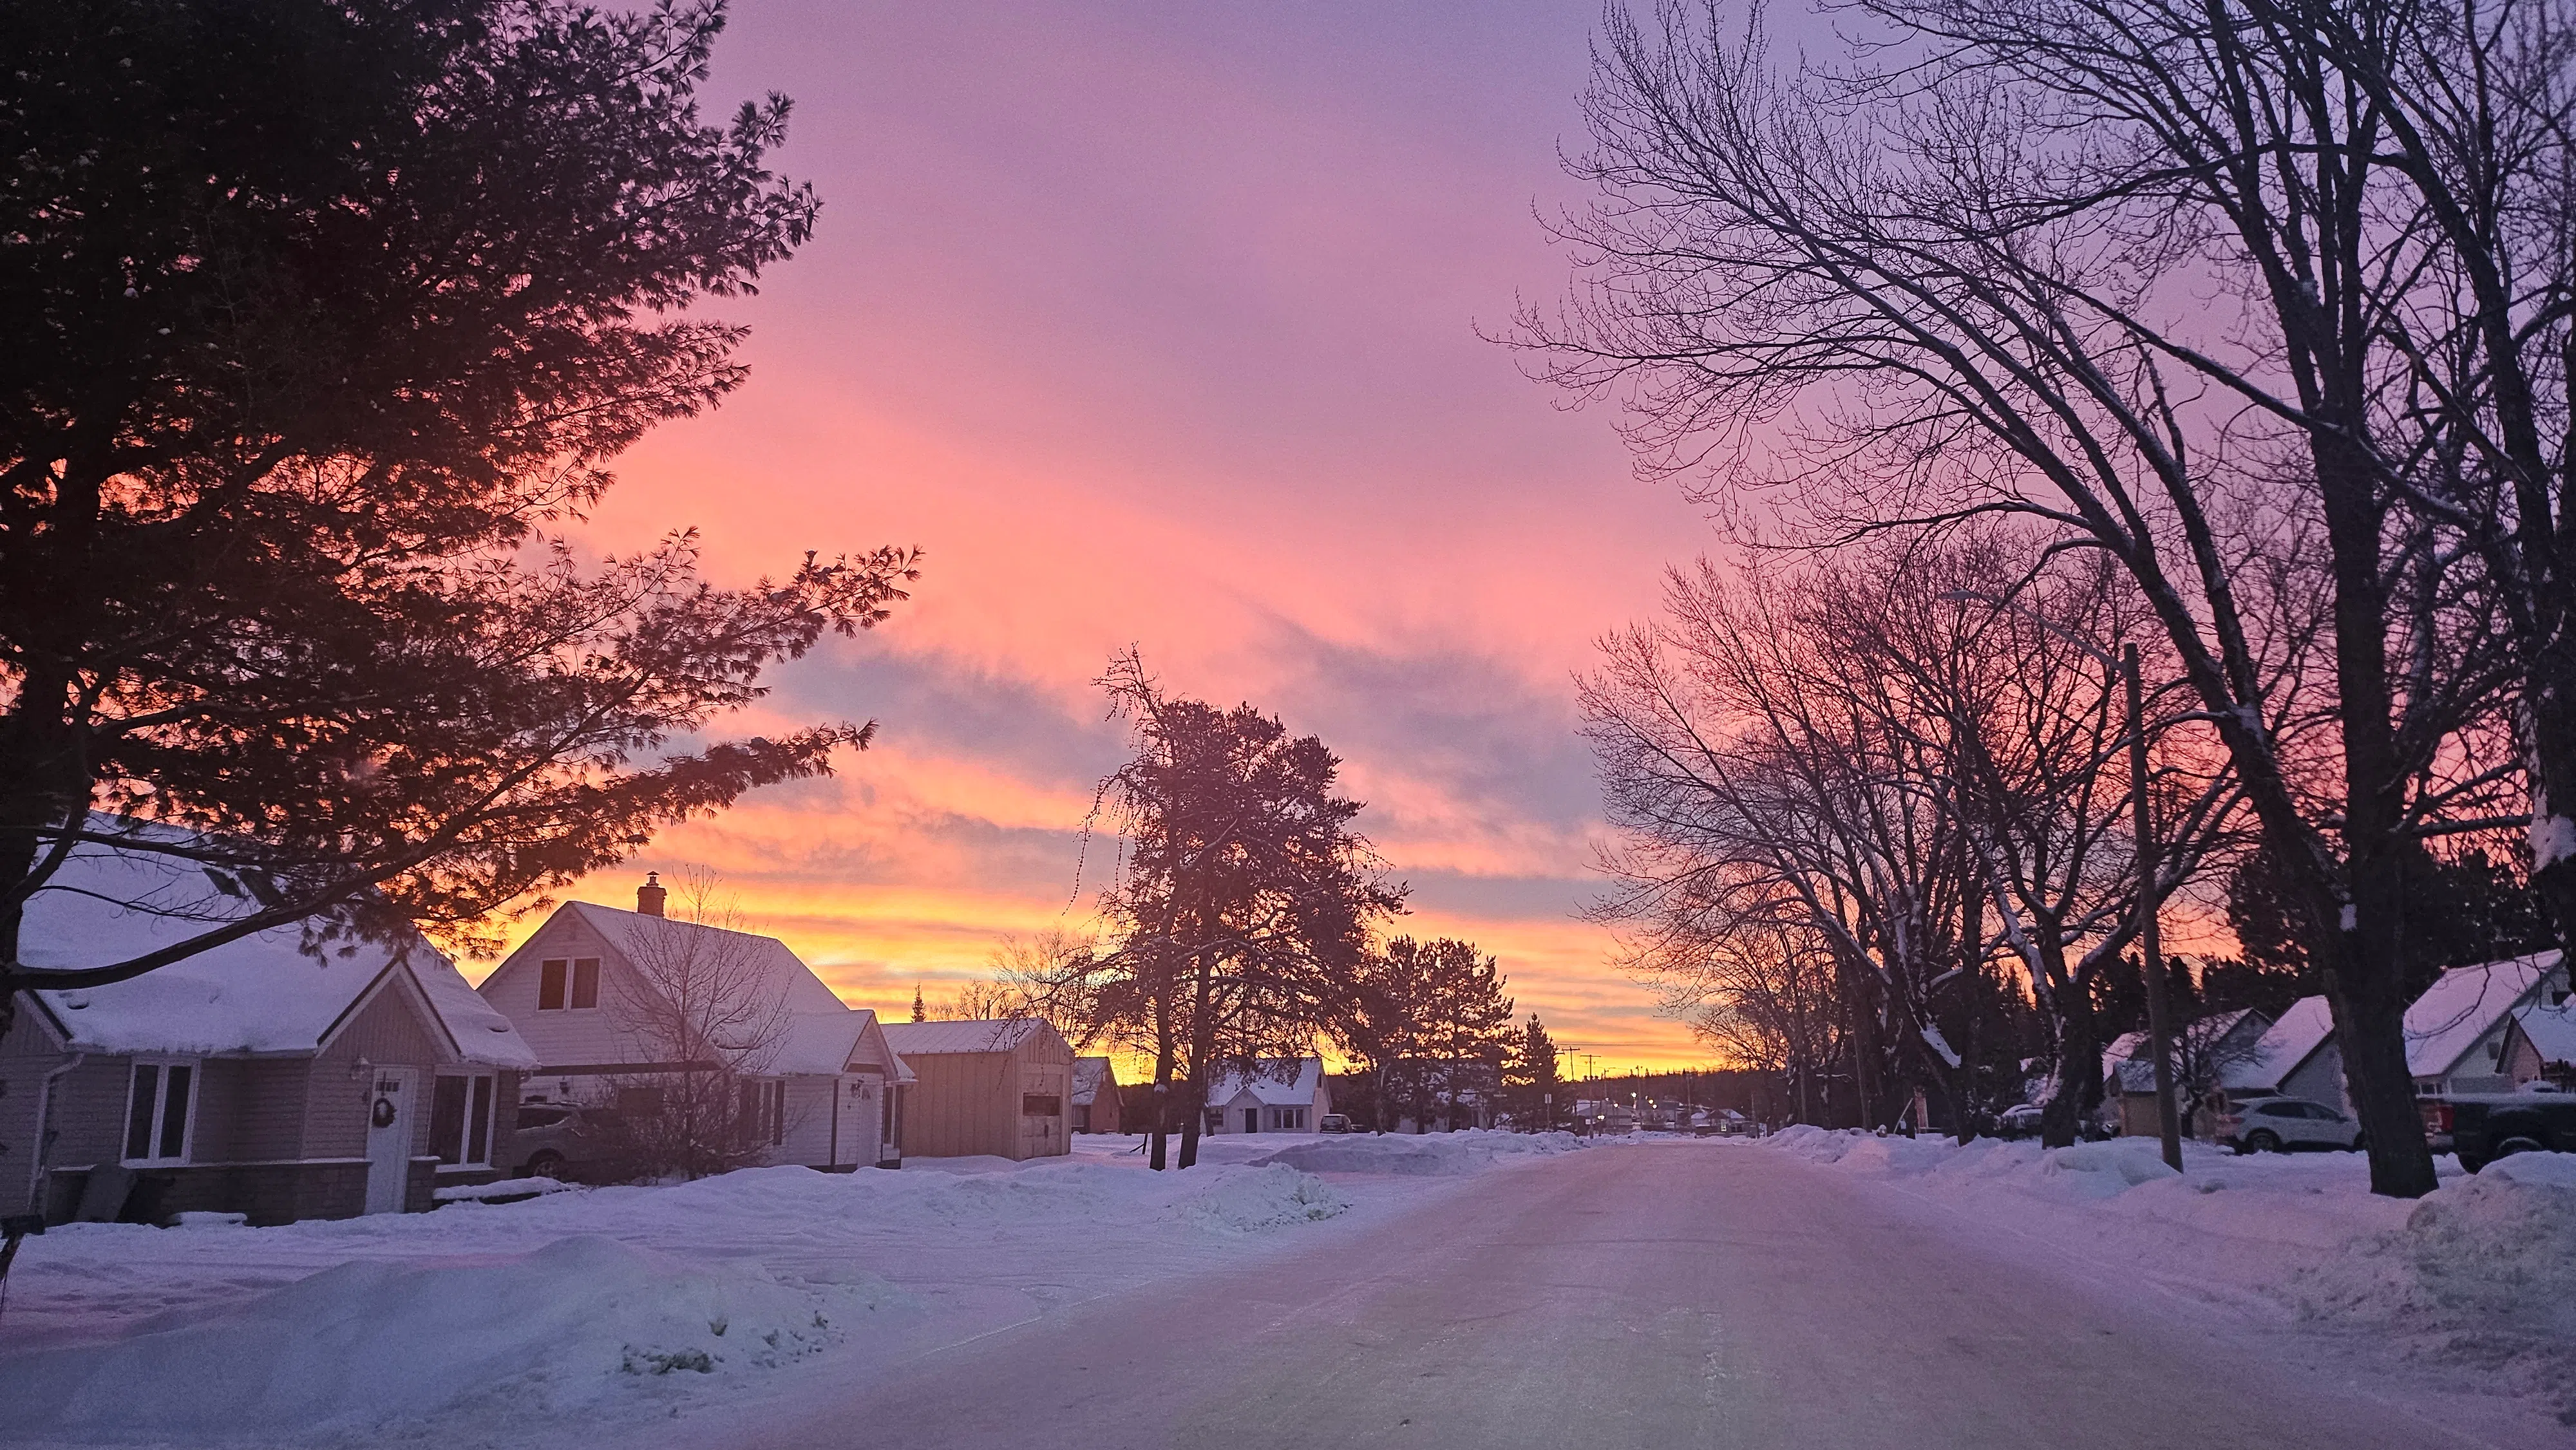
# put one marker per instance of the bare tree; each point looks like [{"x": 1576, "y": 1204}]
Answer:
[
  {"x": 708, "y": 1011},
  {"x": 2121, "y": 270}
]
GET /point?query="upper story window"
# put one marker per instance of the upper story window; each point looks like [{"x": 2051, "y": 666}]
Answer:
[
  {"x": 160, "y": 1109},
  {"x": 563, "y": 983}
]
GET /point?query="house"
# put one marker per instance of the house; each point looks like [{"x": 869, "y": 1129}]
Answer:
[
  {"x": 1095, "y": 1096},
  {"x": 601, "y": 997},
  {"x": 257, "y": 1077},
  {"x": 2455, "y": 1032},
  {"x": 996, "y": 1087},
  {"x": 1284, "y": 1096},
  {"x": 2213, "y": 1055},
  {"x": 2297, "y": 1056},
  {"x": 2540, "y": 1046}
]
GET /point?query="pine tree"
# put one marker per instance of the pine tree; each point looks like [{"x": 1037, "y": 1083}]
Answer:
[{"x": 918, "y": 1014}]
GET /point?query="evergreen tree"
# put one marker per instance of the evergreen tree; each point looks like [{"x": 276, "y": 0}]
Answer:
[
  {"x": 320, "y": 316},
  {"x": 1530, "y": 1083}
]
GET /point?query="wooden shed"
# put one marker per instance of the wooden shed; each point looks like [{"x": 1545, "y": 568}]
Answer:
[
  {"x": 998, "y": 1088},
  {"x": 1095, "y": 1096}
]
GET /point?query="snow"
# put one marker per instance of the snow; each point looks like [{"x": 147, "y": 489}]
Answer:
[
  {"x": 2303, "y": 1027},
  {"x": 2478, "y": 1277},
  {"x": 2553, "y": 839},
  {"x": 2463, "y": 1004},
  {"x": 499, "y": 1188},
  {"x": 1415, "y": 1154},
  {"x": 261, "y": 993},
  {"x": 643, "y": 938},
  {"x": 555, "y": 1319},
  {"x": 999, "y": 1035}
]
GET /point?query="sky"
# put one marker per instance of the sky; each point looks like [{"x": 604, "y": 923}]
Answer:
[{"x": 1158, "y": 324}]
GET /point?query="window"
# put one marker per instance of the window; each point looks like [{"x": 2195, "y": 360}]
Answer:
[
  {"x": 1041, "y": 1105},
  {"x": 550, "y": 986},
  {"x": 541, "y": 1117},
  {"x": 460, "y": 1120},
  {"x": 585, "y": 983},
  {"x": 764, "y": 1111},
  {"x": 158, "y": 1107}
]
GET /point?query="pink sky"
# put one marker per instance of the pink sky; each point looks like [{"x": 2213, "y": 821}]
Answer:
[{"x": 1155, "y": 324}]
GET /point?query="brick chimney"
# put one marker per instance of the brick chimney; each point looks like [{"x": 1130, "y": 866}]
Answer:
[{"x": 649, "y": 896}]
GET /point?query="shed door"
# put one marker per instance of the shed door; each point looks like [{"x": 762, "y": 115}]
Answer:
[{"x": 389, "y": 1108}]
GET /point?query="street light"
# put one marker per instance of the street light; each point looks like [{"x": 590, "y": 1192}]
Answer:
[{"x": 2141, "y": 808}]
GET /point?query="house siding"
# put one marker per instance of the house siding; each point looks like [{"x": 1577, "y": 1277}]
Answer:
[
  {"x": 811, "y": 1126},
  {"x": 88, "y": 1113},
  {"x": 28, "y": 1051},
  {"x": 968, "y": 1103},
  {"x": 388, "y": 1031},
  {"x": 565, "y": 1037},
  {"x": 2320, "y": 1079}
]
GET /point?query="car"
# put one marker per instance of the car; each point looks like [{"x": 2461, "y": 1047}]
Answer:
[
  {"x": 2285, "y": 1124},
  {"x": 1334, "y": 1123},
  {"x": 2021, "y": 1121},
  {"x": 573, "y": 1142},
  {"x": 2482, "y": 1127}
]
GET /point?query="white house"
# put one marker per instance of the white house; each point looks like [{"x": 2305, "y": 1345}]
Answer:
[
  {"x": 2455, "y": 1032},
  {"x": 2298, "y": 1056},
  {"x": 1278, "y": 1097},
  {"x": 824, "y": 1086}
]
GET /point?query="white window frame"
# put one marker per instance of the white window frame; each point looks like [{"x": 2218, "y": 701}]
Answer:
[
  {"x": 160, "y": 1109},
  {"x": 465, "y": 1123}
]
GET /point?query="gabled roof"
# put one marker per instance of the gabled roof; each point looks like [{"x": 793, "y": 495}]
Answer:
[
  {"x": 2304, "y": 1026},
  {"x": 2464, "y": 1004},
  {"x": 639, "y": 938},
  {"x": 1280, "y": 1083},
  {"x": 2552, "y": 1031},
  {"x": 1089, "y": 1074},
  {"x": 918, "y": 1039},
  {"x": 835, "y": 1041},
  {"x": 261, "y": 993}
]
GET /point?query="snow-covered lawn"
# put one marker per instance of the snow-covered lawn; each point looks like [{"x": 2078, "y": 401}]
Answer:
[
  {"x": 554, "y": 1317},
  {"x": 2476, "y": 1281}
]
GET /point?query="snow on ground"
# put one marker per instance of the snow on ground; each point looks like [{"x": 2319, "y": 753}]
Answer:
[
  {"x": 2476, "y": 1281},
  {"x": 549, "y": 1318}
]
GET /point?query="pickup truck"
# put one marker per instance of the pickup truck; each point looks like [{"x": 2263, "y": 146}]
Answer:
[{"x": 2483, "y": 1127}]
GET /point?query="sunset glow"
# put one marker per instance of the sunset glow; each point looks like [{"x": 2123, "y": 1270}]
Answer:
[{"x": 1160, "y": 327}]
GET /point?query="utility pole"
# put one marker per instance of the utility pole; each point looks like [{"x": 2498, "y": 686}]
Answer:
[{"x": 2151, "y": 942}]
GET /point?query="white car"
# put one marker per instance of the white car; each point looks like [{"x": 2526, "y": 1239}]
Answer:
[{"x": 2280, "y": 1125}]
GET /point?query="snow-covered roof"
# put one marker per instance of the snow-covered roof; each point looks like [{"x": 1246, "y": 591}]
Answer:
[
  {"x": 2303, "y": 1027},
  {"x": 2464, "y": 1004},
  {"x": 1088, "y": 1075},
  {"x": 1280, "y": 1082},
  {"x": 641, "y": 938},
  {"x": 915, "y": 1039},
  {"x": 2552, "y": 1031},
  {"x": 261, "y": 993}
]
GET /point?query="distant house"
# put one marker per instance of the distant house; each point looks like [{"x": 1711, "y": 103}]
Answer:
[
  {"x": 2211, "y": 1053},
  {"x": 2297, "y": 1056},
  {"x": 2540, "y": 1046},
  {"x": 254, "y": 1078},
  {"x": 589, "y": 991},
  {"x": 2455, "y": 1032},
  {"x": 1095, "y": 1096},
  {"x": 1285, "y": 1096},
  {"x": 997, "y": 1088}
]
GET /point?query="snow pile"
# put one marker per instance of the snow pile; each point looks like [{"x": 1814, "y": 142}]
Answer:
[
  {"x": 2482, "y": 1275},
  {"x": 503, "y": 1188},
  {"x": 2106, "y": 1169},
  {"x": 1416, "y": 1154},
  {"x": 363, "y": 1344},
  {"x": 1866, "y": 1152},
  {"x": 1263, "y": 1198}
]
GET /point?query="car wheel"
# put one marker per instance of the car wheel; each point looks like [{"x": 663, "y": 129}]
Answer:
[
  {"x": 545, "y": 1164},
  {"x": 2511, "y": 1146},
  {"x": 2264, "y": 1140}
]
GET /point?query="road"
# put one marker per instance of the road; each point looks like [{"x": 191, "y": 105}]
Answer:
[{"x": 1653, "y": 1297}]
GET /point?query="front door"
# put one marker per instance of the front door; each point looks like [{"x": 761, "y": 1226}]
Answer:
[
  {"x": 1252, "y": 1120},
  {"x": 389, "y": 1106}
]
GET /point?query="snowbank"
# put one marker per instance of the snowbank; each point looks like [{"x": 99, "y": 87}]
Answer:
[
  {"x": 2482, "y": 1275},
  {"x": 367, "y": 1343},
  {"x": 1415, "y": 1155},
  {"x": 1263, "y": 1198}
]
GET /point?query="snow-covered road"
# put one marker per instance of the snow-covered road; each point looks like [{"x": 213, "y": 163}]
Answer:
[{"x": 1655, "y": 1296}]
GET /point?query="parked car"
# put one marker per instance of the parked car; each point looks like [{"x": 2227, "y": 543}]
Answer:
[
  {"x": 2021, "y": 1121},
  {"x": 2284, "y": 1124},
  {"x": 2483, "y": 1127},
  {"x": 568, "y": 1141},
  {"x": 1334, "y": 1123}
]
